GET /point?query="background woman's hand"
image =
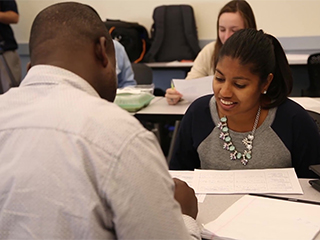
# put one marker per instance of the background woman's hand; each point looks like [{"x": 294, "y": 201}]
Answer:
[{"x": 173, "y": 96}]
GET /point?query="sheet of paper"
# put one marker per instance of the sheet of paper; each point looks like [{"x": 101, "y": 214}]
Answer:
[
  {"x": 252, "y": 218},
  {"x": 187, "y": 176},
  {"x": 312, "y": 104},
  {"x": 278, "y": 181},
  {"x": 194, "y": 88}
]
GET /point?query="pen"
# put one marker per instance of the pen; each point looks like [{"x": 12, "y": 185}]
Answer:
[
  {"x": 172, "y": 85},
  {"x": 285, "y": 198}
]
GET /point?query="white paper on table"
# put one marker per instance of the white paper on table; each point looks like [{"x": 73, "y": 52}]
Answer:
[
  {"x": 187, "y": 176},
  {"x": 276, "y": 180},
  {"x": 308, "y": 103},
  {"x": 252, "y": 218},
  {"x": 193, "y": 88}
]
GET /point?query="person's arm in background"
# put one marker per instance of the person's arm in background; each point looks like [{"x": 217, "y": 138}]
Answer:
[
  {"x": 9, "y": 17},
  {"x": 125, "y": 73},
  {"x": 7, "y": 14}
]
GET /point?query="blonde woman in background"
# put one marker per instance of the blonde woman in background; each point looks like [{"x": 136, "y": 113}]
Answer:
[{"x": 235, "y": 15}]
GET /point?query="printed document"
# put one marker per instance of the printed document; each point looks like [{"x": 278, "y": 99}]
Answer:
[
  {"x": 276, "y": 181},
  {"x": 187, "y": 176}
]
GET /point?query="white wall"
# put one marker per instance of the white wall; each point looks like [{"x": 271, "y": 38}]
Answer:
[{"x": 282, "y": 18}]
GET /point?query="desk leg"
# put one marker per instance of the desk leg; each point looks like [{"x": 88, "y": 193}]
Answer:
[
  {"x": 173, "y": 140},
  {"x": 156, "y": 131}
]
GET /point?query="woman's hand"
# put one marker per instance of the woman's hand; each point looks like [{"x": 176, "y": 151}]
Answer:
[{"x": 173, "y": 96}]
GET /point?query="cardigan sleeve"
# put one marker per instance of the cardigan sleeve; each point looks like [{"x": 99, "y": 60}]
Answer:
[{"x": 195, "y": 126}]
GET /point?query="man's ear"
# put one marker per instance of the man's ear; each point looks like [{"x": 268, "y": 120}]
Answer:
[{"x": 101, "y": 51}]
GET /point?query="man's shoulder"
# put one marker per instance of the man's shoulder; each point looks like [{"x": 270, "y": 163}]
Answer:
[{"x": 100, "y": 122}]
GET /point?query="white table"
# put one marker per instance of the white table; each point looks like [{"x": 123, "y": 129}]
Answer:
[
  {"x": 214, "y": 205},
  {"x": 293, "y": 59},
  {"x": 297, "y": 59},
  {"x": 159, "y": 109}
]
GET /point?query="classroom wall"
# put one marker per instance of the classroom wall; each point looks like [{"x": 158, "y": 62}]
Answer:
[
  {"x": 282, "y": 18},
  {"x": 294, "y": 22}
]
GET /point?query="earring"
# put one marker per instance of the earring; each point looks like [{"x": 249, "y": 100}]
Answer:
[{"x": 265, "y": 92}]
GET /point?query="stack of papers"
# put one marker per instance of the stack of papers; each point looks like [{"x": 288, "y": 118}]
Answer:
[{"x": 252, "y": 218}]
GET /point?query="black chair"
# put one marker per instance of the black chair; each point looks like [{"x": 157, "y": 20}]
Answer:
[
  {"x": 316, "y": 117},
  {"x": 142, "y": 73},
  {"x": 314, "y": 77}
]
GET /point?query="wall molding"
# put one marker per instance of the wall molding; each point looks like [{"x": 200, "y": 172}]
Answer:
[{"x": 306, "y": 45}]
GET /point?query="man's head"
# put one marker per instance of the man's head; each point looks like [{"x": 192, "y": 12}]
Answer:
[{"x": 72, "y": 36}]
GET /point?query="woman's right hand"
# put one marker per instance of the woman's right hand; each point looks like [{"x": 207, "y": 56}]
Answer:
[{"x": 173, "y": 96}]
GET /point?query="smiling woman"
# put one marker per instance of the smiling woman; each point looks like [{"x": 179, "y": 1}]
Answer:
[{"x": 249, "y": 123}]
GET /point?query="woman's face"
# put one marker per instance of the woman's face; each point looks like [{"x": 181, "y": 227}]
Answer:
[
  {"x": 237, "y": 91},
  {"x": 229, "y": 23}
]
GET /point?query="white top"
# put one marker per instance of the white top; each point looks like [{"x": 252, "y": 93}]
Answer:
[
  {"x": 74, "y": 166},
  {"x": 203, "y": 65}
]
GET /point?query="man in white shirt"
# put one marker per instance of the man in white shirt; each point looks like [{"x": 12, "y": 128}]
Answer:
[{"x": 73, "y": 165}]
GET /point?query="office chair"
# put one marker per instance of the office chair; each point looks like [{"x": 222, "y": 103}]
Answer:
[
  {"x": 314, "y": 76},
  {"x": 316, "y": 117},
  {"x": 142, "y": 73}
]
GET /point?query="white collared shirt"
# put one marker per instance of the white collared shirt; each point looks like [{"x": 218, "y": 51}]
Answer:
[{"x": 74, "y": 166}]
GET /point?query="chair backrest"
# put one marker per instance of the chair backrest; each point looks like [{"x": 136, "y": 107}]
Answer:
[
  {"x": 314, "y": 70},
  {"x": 314, "y": 76},
  {"x": 316, "y": 117},
  {"x": 142, "y": 73}
]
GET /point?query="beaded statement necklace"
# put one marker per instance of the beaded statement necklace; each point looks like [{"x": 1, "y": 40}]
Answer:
[{"x": 228, "y": 145}]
